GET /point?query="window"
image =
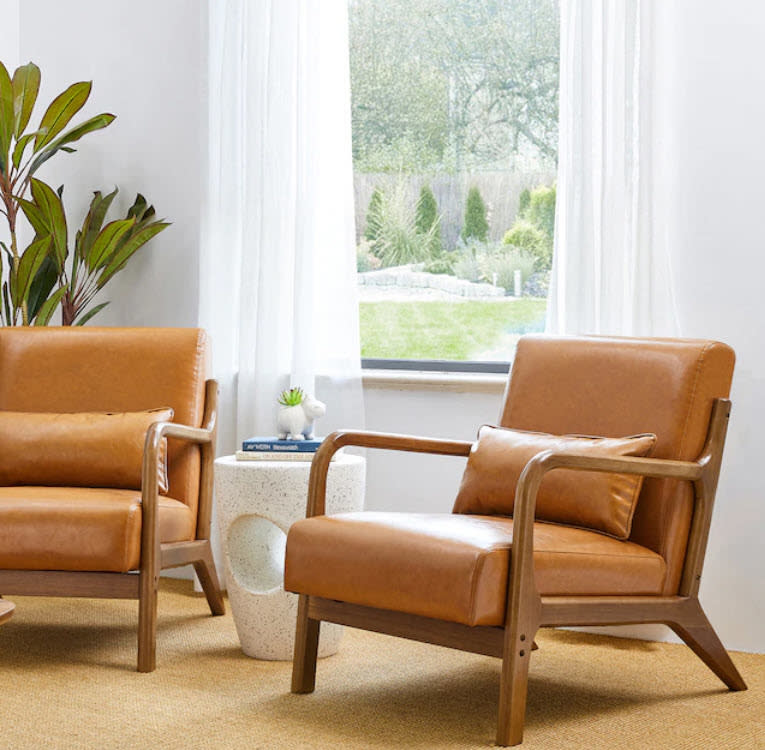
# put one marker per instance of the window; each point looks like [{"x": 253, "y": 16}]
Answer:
[{"x": 455, "y": 125}]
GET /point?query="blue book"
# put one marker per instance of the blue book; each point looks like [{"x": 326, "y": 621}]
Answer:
[{"x": 274, "y": 445}]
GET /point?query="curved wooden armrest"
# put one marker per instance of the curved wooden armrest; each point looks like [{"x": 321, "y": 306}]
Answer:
[
  {"x": 203, "y": 436},
  {"x": 317, "y": 483}
]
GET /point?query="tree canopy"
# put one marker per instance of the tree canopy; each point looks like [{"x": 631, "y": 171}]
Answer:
[{"x": 454, "y": 85}]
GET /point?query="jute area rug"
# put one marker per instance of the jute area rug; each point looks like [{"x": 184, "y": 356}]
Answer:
[{"x": 67, "y": 681}]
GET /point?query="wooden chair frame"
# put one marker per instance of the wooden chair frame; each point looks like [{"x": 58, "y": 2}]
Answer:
[
  {"x": 527, "y": 611},
  {"x": 155, "y": 557}
]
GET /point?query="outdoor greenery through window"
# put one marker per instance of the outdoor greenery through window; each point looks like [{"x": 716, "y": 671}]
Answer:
[{"x": 455, "y": 129}]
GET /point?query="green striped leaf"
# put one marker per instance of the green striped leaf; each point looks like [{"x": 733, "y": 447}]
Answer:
[
  {"x": 31, "y": 260},
  {"x": 61, "y": 110},
  {"x": 26, "y": 85},
  {"x": 6, "y": 117},
  {"x": 49, "y": 307},
  {"x": 128, "y": 249},
  {"x": 88, "y": 315},
  {"x": 50, "y": 204},
  {"x": 106, "y": 243},
  {"x": 94, "y": 123}
]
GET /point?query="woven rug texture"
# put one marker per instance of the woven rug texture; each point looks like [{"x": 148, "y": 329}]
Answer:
[{"x": 67, "y": 681}]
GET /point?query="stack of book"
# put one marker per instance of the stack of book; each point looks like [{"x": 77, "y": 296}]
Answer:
[{"x": 274, "y": 449}]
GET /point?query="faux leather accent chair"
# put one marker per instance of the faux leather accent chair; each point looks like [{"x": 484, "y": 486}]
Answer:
[
  {"x": 84, "y": 437},
  {"x": 552, "y": 549}
]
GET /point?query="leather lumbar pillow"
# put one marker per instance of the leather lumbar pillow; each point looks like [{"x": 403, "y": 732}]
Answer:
[
  {"x": 84, "y": 449},
  {"x": 592, "y": 500}
]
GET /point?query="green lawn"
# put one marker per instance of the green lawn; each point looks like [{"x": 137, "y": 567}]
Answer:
[{"x": 464, "y": 330}]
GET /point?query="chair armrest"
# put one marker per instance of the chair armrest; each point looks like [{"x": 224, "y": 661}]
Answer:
[
  {"x": 524, "y": 508},
  {"x": 151, "y": 451},
  {"x": 317, "y": 483}
]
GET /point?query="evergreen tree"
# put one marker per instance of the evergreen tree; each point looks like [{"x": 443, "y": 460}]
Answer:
[
  {"x": 427, "y": 219},
  {"x": 476, "y": 225},
  {"x": 523, "y": 201}
]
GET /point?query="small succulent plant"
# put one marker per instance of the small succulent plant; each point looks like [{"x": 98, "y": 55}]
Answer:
[{"x": 292, "y": 397}]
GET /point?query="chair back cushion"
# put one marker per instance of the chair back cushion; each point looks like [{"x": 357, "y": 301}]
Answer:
[
  {"x": 603, "y": 502},
  {"x": 83, "y": 369},
  {"x": 625, "y": 386},
  {"x": 83, "y": 449}
]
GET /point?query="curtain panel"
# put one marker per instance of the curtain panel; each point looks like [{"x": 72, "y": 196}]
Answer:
[
  {"x": 611, "y": 267},
  {"x": 278, "y": 277}
]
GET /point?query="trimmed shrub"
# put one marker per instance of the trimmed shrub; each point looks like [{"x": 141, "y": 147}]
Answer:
[
  {"x": 476, "y": 225},
  {"x": 541, "y": 209},
  {"x": 443, "y": 264},
  {"x": 527, "y": 237}
]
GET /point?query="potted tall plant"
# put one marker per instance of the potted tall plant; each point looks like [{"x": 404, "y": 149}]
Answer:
[{"x": 45, "y": 274}]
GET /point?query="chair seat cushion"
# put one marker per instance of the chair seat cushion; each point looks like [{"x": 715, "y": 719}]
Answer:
[
  {"x": 454, "y": 567},
  {"x": 75, "y": 528}
]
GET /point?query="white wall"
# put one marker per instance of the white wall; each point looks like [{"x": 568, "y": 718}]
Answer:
[
  {"x": 148, "y": 64},
  {"x": 9, "y": 38}
]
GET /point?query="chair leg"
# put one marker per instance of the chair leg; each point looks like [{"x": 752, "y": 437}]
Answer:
[
  {"x": 208, "y": 578},
  {"x": 697, "y": 632},
  {"x": 513, "y": 688},
  {"x": 306, "y": 649},
  {"x": 147, "y": 622}
]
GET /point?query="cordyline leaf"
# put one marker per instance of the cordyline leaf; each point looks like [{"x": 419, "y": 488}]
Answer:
[
  {"x": 128, "y": 249},
  {"x": 106, "y": 242},
  {"x": 93, "y": 222},
  {"x": 35, "y": 217},
  {"x": 94, "y": 123},
  {"x": 21, "y": 144},
  {"x": 88, "y": 315},
  {"x": 6, "y": 117},
  {"x": 26, "y": 85},
  {"x": 6, "y": 303},
  {"x": 61, "y": 110},
  {"x": 42, "y": 286},
  {"x": 50, "y": 204},
  {"x": 49, "y": 306},
  {"x": 31, "y": 260},
  {"x": 138, "y": 208}
]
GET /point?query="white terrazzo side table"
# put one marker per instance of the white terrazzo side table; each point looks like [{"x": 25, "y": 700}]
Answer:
[{"x": 257, "y": 502}]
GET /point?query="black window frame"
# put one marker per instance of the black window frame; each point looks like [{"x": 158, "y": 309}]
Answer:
[{"x": 436, "y": 365}]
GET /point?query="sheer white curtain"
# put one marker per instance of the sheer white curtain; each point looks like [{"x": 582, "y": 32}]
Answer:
[
  {"x": 278, "y": 282},
  {"x": 611, "y": 269}
]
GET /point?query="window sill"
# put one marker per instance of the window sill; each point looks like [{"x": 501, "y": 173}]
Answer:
[{"x": 413, "y": 380}]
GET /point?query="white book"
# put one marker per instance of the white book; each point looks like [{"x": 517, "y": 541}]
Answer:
[{"x": 274, "y": 456}]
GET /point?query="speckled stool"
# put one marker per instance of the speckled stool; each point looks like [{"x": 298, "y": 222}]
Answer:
[{"x": 256, "y": 503}]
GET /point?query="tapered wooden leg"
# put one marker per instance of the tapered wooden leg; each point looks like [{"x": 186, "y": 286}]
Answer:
[
  {"x": 208, "y": 579},
  {"x": 695, "y": 629},
  {"x": 306, "y": 649},
  {"x": 147, "y": 622},
  {"x": 513, "y": 686}
]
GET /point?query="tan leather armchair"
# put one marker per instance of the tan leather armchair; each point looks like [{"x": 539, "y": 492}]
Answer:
[
  {"x": 593, "y": 532},
  {"x": 85, "y": 432}
]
